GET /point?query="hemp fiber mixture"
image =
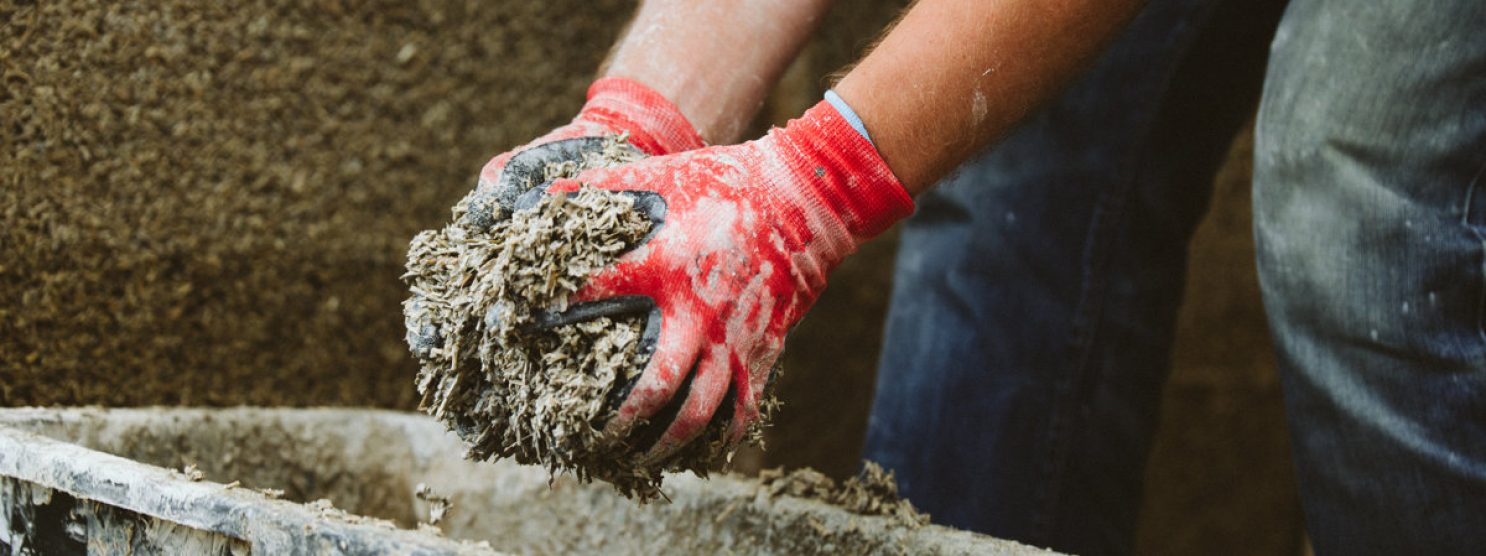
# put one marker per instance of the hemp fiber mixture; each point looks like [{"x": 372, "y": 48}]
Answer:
[
  {"x": 511, "y": 389},
  {"x": 873, "y": 492}
]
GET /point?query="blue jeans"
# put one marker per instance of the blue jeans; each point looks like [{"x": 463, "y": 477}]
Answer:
[{"x": 1037, "y": 288}]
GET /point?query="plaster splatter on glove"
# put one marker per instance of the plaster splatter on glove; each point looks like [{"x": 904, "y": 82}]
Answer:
[{"x": 751, "y": 233}]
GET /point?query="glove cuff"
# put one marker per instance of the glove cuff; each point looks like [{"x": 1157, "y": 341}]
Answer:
[
  {"x": 655, "y": 124},
  {"x": 843, "y": 172}
]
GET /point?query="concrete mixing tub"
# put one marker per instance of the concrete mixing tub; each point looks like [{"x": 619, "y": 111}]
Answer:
[{"x": 116, "y": 481}]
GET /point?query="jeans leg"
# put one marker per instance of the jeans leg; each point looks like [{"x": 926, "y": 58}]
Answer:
[
  {"x": 1370, "y": 219},
  {"x": 1036, "y": 290}
]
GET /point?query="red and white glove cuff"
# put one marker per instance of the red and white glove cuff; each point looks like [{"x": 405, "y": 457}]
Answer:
[
  {"x": 850, "y": 179},
  {"x": 655, "y": 124}
]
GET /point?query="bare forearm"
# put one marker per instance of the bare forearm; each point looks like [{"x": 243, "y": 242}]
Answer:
[
  {"x": 716, "y": 60},
  {"x": 953, "y": 75}
]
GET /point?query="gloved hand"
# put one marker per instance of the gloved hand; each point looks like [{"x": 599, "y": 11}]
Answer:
[
  {"x": 616, "y": 106},
  {"x": 748, "y": 235}
]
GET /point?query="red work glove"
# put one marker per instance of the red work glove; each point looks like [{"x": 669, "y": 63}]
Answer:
[
  {"x": 748, "y": 235},
  {"x": 615, "y": 106}
]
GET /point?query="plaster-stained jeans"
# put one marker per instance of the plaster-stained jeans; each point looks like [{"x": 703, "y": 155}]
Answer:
[{"x": 1036, "y": 288}]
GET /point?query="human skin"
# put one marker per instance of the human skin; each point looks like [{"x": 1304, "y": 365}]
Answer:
[
  {"x": 716, "y": 60},
  {"x": 954, "y": 75},
  {"x": 950, "y": 77}
]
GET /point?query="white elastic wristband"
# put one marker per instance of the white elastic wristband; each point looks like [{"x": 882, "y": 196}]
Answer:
[{"x": 848, "y": 114}]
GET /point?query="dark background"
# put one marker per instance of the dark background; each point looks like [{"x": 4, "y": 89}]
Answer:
[{"x": 209, "y": 204}]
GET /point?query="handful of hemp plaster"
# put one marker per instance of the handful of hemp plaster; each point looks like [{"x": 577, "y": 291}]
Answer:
[{"x": 513, "y": 390}]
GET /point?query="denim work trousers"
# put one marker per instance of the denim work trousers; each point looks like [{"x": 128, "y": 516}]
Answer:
[{"x": 1036, "y": 289}]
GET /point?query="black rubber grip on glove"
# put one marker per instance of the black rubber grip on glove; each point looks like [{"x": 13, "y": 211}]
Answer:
[{"x": 527, "y": 170}]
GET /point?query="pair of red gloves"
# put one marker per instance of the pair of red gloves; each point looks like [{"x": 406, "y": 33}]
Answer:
[{"x": 748, "y": 234}]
